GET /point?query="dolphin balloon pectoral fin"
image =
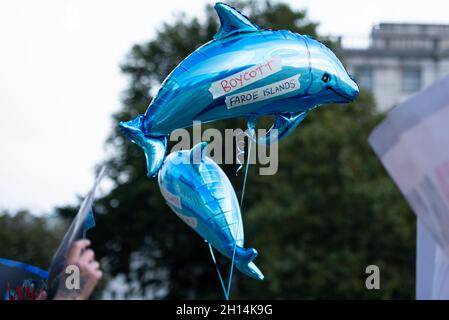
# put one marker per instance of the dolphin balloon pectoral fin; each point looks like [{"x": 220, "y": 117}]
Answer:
[
  {"x": 244, "y": 262},
  {"x": 282, "y": 127},
  {"x": 153, "y": 147},
  {"x": 232, "y": 21}
]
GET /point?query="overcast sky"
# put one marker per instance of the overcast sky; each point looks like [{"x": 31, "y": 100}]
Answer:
[{"x": 60, "y": 81}]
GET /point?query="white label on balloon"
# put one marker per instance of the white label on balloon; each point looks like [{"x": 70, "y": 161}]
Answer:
[
  {"x": 245, "y": 78},
  {"x": 170, "y": 197},
  {"x": 263, "y": 93}
]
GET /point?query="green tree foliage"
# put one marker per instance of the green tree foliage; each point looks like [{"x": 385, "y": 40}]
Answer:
[
  {"x": 330, "y": 211},
  {"x": 28, "y": 238}
]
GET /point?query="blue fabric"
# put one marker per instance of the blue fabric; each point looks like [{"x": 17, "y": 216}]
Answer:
[
  {"x": 20, "y": 265},
  {"x": 89, "y": 223}
]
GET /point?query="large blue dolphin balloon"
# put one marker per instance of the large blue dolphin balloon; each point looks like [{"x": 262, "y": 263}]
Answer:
[
  {"x": 245, "y": 71},
  {"x": 200, "y": 193}
]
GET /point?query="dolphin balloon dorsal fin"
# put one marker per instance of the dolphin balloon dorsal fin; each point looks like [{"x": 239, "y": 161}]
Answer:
[
  {"x": 232, "y": 21},
  {"x": 198, "y": 153}
]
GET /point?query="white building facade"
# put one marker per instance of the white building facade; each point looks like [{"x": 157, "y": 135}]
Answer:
[{"x": 398, "y": 60}]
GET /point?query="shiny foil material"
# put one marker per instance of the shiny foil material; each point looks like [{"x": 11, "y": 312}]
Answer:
[
  {"x": 245, "y": 71},
  {"x": 201, "y": 195}
]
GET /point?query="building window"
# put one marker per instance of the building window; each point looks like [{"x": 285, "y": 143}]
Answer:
[
  {"x": 411, "y": 79},
  {"x": 364, "y": 78}
]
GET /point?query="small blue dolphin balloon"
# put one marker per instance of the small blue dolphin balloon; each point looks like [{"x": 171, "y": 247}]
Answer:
[
  {"x": 246, "y": 72},
  {"x": 200, "y": 193}
]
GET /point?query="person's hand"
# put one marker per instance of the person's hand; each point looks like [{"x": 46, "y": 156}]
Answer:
[{"x": 89, "y": 272}]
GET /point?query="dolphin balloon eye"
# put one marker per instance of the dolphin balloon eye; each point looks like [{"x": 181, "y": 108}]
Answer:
[{"x": 326, "y": 77}]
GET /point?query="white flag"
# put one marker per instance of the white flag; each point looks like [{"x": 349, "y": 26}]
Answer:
[{"x": 413, "y": 145}]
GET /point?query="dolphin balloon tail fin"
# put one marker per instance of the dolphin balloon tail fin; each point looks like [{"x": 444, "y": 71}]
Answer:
[
  {"x": 153, "y": 147},
  {"x": 244, "y": 262},
  {"x": 282, "y": 127}
]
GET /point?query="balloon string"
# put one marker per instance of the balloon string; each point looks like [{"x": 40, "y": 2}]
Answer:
[
  {"x": 246, "y": 169},
  {"x": 241, "y": 206},
  {"x": 240, "y": 151},
  {"x": 228, "y": 290},
  {"x": 218, "y": 271}
]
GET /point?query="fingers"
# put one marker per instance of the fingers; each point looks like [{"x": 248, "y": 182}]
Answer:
[
  {"x": 87, "y": 256},
  {"x": 97, "y": 274},
  {"x": 77, "y": 249},
  {"x": 92, "y": 266},
  {"x": 95, "y": 265},
  {"x": 94, "y": 270}
]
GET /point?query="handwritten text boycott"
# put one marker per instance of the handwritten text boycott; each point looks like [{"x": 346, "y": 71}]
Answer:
[
  {"x": 263, "y": 93},
  {"x": 246, "y": 77}
]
